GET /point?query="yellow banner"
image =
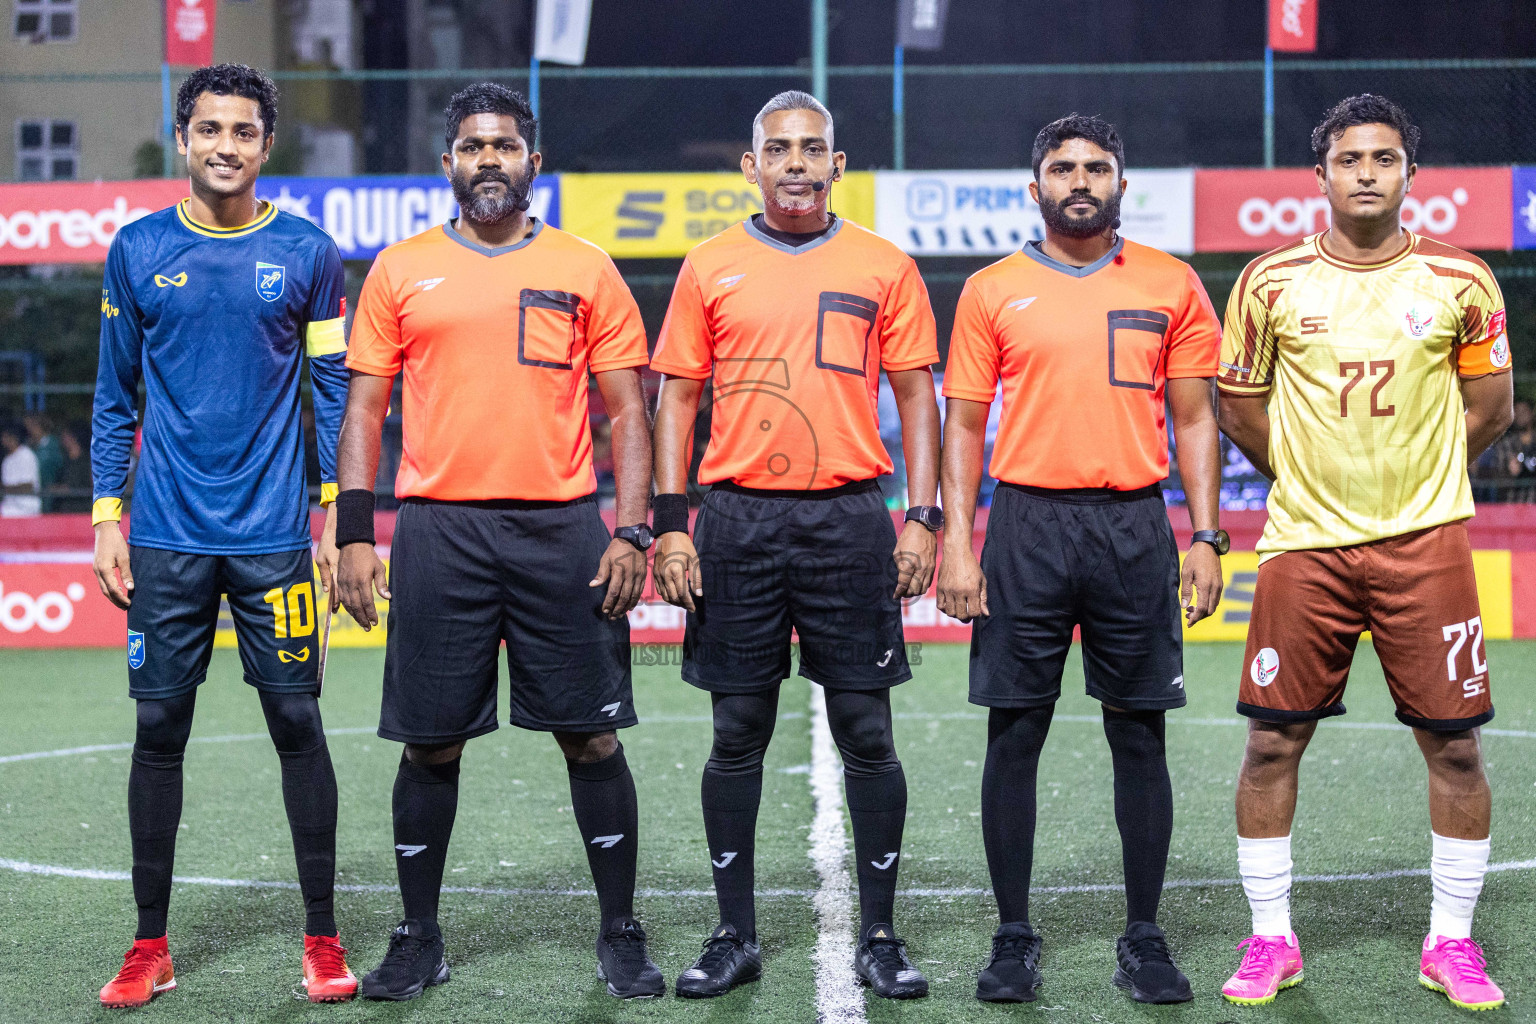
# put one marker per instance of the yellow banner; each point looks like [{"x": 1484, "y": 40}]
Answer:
[
  {"x": 1240, "y": 570},
  {"x": 646, "y": 215}
]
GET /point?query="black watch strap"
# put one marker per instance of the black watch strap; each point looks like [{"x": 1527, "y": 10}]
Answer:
[
  {"x": 1217, "y": 539},
  {"x": 931, "y": 516}
]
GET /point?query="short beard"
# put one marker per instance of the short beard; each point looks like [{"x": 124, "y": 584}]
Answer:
[
  {"x": 794, "y": 207},
  {"x": 1105, "y": 218},
  {"x": 490, "y": 210}
]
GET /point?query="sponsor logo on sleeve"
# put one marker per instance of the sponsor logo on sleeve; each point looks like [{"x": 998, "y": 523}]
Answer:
[{"x": 1498, "y": 355}]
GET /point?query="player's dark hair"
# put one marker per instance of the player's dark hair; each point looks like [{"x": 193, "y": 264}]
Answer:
[
  {"x": 1366, "y": 108},
  {"x": 489, "y": 98},
  {"x": 1078, "y": 126},
  {"x": 228, "y": 80}
]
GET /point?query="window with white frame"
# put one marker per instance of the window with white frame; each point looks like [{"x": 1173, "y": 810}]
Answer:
[
  {"x": 47, "y": 150},
  {"x": 45, "y": 21}
]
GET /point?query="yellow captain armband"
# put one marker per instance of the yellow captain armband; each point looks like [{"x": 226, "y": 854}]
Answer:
[
  {"x": 328, "y": 494},
  {"x": 106, "y": 510},
  {"x": 326, "y": 337}
]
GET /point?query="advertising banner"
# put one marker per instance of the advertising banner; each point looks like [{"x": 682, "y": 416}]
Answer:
[
  {"x": 1293, "y": 26},
  {"x": 990, "y": 213},
  {"x": 1259, "y": 210},
  {"x": 1523, "y": 199},
  {"x": 560, "y": 30},
  {"x": 189, "y": 26},
  {"x": 920, "y": 24},
  {"x": 647, "y": 215},
  {"x": 75, "y": 221},
  {"x": 364, "y": 215}
]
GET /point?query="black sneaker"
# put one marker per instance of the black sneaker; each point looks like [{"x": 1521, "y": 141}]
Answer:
[
  {"x": 1146, "y": 968},
  {"x": 882, "y": 964},
  {"x": 624, "y": 965},
  {"x": 728, "y": 960},
  {"x": 1013, "y": 973},
  {"x": 414, "y": 962}
]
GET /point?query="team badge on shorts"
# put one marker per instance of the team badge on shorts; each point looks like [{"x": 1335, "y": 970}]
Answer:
[
  {"x": 135, "y": 649},
  {"x": 270, "y": 278},
  {"x": 1264, "y": 667}
]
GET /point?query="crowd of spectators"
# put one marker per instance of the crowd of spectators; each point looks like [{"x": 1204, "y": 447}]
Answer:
[
  {"x": 43, "y": 467},
  {"x": 1507, "y": 470}
]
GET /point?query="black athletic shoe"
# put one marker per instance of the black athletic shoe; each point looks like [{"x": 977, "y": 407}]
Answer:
[
  {"x": 1146, "y": 968},
  {"x": 415, "y": 961},
  {"x": 1013, "y": 974},
  {"x": 728, "y": 960},
  {"x": 624, "y": 965},
  {"x": 882, "y": 963}
]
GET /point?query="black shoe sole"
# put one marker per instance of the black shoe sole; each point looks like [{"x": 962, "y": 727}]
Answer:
[
  {"x": 439, "y": 977},
  {"x": 1007, "y": 995},
  {"x": 916, "y": 993},
  {"x": 602, "y": 975},
  {"x": 1123, "y": 980},
  {"x": 684, "y": 993}
]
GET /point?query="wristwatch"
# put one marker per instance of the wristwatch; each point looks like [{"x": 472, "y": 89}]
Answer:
[
  {"x": 639, "y": 535},
  {"x": 1217, "y": 539},
  {"x": 931, "y": 516}
]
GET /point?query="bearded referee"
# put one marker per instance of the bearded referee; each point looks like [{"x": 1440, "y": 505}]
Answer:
[
  {"x": 794, "y": 313},
  {"x": 1088, "y": 334},
  {"x": 496, "y": 319}
]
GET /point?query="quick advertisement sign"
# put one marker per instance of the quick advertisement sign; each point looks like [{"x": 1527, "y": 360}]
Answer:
[
  {"x": 1523, "y": 200},
  {"x": 990, "y": 213},
  {"x": 650, "y": 215}
]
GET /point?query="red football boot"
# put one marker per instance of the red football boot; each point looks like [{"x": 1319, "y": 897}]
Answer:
[
  {"x": 327, "y": 978},
  {"x": 146, "y": 972}
]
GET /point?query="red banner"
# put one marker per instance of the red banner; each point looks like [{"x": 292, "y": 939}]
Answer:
[
  {"x": 74, "y": 222},
  {"x": 57, "y": 605},
  {"x": 189, "y": 31},
  {"x": 1259, "y": 210},
  {"x": 1293, "y": 25}
]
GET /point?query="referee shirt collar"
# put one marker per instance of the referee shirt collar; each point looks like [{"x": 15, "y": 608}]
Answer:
[
  {"x": 1034, "y": 251},
  {"x": 794, "y": 250},
  {"x": 453, "y": 233}
]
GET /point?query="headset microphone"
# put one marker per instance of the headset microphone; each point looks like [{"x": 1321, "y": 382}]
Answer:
[{"x": 817, "y": 186}]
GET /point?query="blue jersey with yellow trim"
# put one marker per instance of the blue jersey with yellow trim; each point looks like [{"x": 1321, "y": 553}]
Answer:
[{"x": 217, "y": 322}]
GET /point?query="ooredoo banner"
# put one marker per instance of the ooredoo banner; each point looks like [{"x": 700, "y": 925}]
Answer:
[
  {"x": 74, "y": 222},
  {"x": 990, "y": 213},
  {"x": 1257, "y": 210},
  {"x": 1523, "y": 199}
]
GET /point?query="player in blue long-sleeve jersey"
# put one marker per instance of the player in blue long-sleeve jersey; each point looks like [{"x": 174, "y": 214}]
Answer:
[{"x": 214, "y": 304}]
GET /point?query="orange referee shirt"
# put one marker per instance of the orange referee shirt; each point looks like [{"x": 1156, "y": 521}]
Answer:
[
  {"x": 495, "y": 345},
  {"x": 1084, "y": 354},
  {"x": 795, "y": 339}
]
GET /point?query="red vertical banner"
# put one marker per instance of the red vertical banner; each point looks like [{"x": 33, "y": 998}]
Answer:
[
  {"x": 189, "y": 31},
  {"x": 1293, "y": 26}
]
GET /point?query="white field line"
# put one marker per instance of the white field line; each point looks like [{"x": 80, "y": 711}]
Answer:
[{"x": 838, "y": 998}]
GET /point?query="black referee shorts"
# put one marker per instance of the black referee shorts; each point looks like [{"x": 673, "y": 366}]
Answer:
[
  {"x": 816, "y": 562},
  {"x": 466, "y": 576},
  {"x": 1103, "y": 560}
]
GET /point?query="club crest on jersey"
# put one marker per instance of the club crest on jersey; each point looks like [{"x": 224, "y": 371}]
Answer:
[
  {"x": 1264, "y": 667},
  {"x": 135, "y": 649},
  {"x": 270, "y": 278},
  {"x": 1418, "y": 321}
]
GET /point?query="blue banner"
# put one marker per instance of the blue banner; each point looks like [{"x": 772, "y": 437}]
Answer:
[
  {"x": 365, "y": 214},
  {"x": 1523, "y": 192}
]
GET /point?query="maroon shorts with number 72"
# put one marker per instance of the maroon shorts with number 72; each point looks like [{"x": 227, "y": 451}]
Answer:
[{"x": 1415, "y": 593}]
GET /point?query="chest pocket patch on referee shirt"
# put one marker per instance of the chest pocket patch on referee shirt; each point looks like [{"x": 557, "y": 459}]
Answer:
[
  {"x": 546, "y": 328},
  {"x": 1136, "y": 347},
  {"x": 843, "y": 325}
]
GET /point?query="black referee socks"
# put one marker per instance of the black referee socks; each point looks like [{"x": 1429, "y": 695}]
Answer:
[
  {"x": 1014, "y": 739},
  {"x": 426, "y": 801},
  {"x": 730, "y": 802},
  {"x": 309, "y": 795},
  {"x": 877, "y": 807},
  {"x": 603, "y": 801},
  {"x": 1143, "y": 806}
]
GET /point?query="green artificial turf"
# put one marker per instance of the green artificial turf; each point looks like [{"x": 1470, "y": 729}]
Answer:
[{"x": 522, "y": 951}]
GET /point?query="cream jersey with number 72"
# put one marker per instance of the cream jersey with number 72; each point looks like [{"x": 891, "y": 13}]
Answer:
[{"x": 1361, "y": 362}]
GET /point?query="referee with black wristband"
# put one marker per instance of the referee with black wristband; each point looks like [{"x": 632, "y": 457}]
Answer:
[{"x": 495, "y": 320}]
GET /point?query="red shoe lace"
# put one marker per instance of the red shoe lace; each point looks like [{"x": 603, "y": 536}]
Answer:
[
  {"x": 1259, "y": 960},
  {"x": 328, "y": 959},
  {"x": 1465, "y": 958},
  {"x": 138, "y": 964}
]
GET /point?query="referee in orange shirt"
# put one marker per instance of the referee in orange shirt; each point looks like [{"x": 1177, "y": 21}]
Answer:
[
  {"x": 495, "y": 320},
  {"x": 794, "y": 313},
  {"x": 1088, "y": 334}
]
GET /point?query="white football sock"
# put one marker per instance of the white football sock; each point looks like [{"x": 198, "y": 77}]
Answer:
[
  {"x": 1456, "y": 869},
  {"x": 1265, "y": 865}
]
